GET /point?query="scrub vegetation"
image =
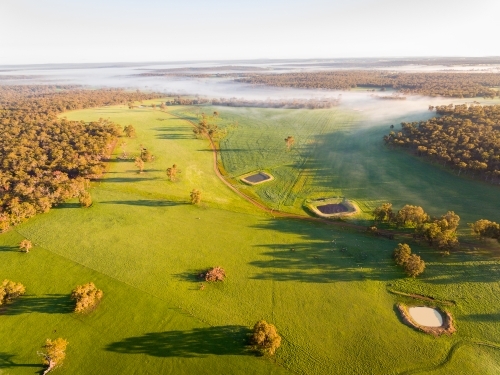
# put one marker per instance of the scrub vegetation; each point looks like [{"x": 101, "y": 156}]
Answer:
[{"x": 143, "y": 243}]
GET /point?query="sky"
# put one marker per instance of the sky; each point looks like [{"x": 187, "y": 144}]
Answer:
[{"x": 87, "y": 31}]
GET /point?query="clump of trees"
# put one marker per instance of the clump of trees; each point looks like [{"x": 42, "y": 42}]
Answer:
[
  {"x": 207, "y": 129},
  {"x": 486, "y": 229},
  {"x": 465, "y": 138},
  {"x": 87, "y": 297},
  {"x": 440, "y": 231},
  {"x": 265, "y": 338},
  {"x": 412, "y": 264},
  {"x": 214, "y": 274},
  {"x": 44, "y": 159},
  {"x": 195, "y": 196},
  {"x": 25, "y": 246},
  {"x": 10, "y": 290},
  {"x": 54, "y": 353}
]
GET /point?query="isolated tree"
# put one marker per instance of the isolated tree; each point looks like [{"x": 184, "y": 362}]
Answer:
[
  {"x": 414, "y": 266},
  {"x": 146, "y": 155},
  {"x": 216, "y": 114},
  {"x": 25, "y": 246},
  {"x": 215, "y": 274},
  {"x": 265, "y": 338},
  {"x": 54, "y": 353},
  {"x": 10, "y": 290},
  {"x": 162, "y": 106},
  {"x": 153, "y": 106},
  {"x": 401, "y": 254},
  {"x": 139, "y": 163},
  {"x": 87, "y": 297},
  {"x": 85, "y": 199},
  {"x": 129, "y": 131},
  {"x": 195, "y": 196},
  {"x": 124, "y": 150},
  {"x": 383, "y": 212},
  {"x": 289, "y": 141},
  {"x": 172, "y": 172}
]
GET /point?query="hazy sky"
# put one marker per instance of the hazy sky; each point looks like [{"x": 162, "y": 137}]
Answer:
[{"x": 60, "y": 31}]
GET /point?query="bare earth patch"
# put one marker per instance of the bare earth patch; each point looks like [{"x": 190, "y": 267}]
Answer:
[{"x": 426, "y": 319}]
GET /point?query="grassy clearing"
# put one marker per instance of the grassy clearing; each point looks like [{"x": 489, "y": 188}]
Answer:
[{"x": 143, "y": 246}]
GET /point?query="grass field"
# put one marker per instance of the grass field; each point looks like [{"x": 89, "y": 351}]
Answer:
[
  {"x": 143, "y": 245},
  {"x": 341, "y": 153}
]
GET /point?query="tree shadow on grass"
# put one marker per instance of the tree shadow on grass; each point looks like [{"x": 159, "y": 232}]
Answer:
[
  {"x": 198, "y": 342},
  {"x": 6, "y": 361},
  {"x": 147, "y": 203},
  {"x": 67, "y": 205},
  {"x": 9, "y": 248},
  {"x": 130, "y": 179},
  {"x": 490, "y": 318},
  {"x": 325, "y": 256},
  {"x": 192, "y": 275},
  {"x": 47, "y": 304}
]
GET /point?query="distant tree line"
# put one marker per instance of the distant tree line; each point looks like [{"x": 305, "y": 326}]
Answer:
[
  {"x": 45, "y": 160},
  {"x": 450, "y": 84},
  {"x": 465, "y": 137},
  {"x": 293, "y": 103}
]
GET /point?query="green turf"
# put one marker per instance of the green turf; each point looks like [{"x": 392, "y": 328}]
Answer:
[{"x": 143, "y": 245}]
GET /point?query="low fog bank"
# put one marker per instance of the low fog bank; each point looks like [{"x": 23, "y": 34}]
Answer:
[{"x": 374, "y": 110}]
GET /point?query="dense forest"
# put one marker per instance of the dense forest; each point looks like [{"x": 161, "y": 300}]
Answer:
[
  {"x": 45, "y": 160},
  {"x": 465, "y": 137},
  {"x": 458, "y": 85}
]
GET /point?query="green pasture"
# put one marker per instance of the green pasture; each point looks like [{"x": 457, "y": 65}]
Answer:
[
  {"x": 341, "y": 153},
  {"x": 144, "y": 245}
]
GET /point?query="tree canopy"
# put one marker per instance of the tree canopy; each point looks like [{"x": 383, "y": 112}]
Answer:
[
  {"x": 465, "y": 138},
  {"x": 265, "y": 338},
  {"x": 44, "y": 159}
]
